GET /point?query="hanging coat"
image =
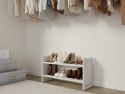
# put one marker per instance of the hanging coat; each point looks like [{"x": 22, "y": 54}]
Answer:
[
  {"x": 123, "y": 11},
  {"x": 14, "y": 7}
]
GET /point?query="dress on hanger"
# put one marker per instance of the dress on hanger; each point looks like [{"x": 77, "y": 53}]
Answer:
[{"x": 14, "y": 7}]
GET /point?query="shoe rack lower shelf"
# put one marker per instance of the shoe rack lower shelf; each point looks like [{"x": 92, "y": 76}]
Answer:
[
  {"x": 87, "y": 80},
  {"x": 64, "y": 79}
]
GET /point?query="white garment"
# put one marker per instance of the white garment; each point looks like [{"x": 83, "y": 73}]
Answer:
[
  {"x": 86, "y": 8},
  {"x": 14, "y": 7},
  {"x": 40, "y": 5},
  {"x": 31, "y": 7},
  {"x": 44, "y": 4},
  {"x": 60, "y": 5},
  {"x": 110, "y": 5}
]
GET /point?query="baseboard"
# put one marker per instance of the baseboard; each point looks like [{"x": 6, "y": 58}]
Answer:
[
  {"x": 35, "y": 73},
  {"x": 111, "y": 86}
]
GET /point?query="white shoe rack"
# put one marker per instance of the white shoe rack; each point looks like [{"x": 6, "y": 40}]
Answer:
[{"x": 87, "y": 66}]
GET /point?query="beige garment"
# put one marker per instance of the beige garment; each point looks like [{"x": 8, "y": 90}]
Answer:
[
  {"x": 110, "y": 5},
  {"x": 123, "y": 11},
  {"x": 14, "y": 7},
  {"x": 76, "y": 6},
  {"x": 31, "y": 7},
  {"x": 22, "y": 8},
  {"x": 66, "y": 8}
]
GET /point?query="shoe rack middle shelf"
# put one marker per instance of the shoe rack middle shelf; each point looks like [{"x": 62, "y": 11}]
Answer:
[{"x": 64, "y": 64}]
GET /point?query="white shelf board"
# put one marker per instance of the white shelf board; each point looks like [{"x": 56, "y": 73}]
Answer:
[
  {"x": 64, "y": 79},
  {"x": 63, "y": 64}
]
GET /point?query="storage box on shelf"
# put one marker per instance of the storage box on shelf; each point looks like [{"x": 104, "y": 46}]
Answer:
[{"x": 87, "y": 76}]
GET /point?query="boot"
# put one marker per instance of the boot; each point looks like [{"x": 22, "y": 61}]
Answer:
[
  {"x": 54, "y": 69},
  {"x": 69, "y": 73},
  {"x": 74, "y": 73},
  {"x": 49, "y": 69},
  {"x": 79, "y": 73}
]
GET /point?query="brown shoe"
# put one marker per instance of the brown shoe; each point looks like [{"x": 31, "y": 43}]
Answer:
[
  {"x": 79, "y": 73},
  {"x": 54, "y": 69},
  {"x": 49, "y": 72}
]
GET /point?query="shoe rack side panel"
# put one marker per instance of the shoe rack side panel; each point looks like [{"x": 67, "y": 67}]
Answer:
[
  {"x": 87, "y": 73},
  {"x": 44, "y": 68}
]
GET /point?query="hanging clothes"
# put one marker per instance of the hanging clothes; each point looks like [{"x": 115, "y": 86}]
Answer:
[
  {"x": 29, "y": 7},
  {"x": 60, "y": 5},
  {"x": 76, "y": 6},
  {"x": 117, "y": 3},
  {"x": 92, "y": 7},
  {"x": 110, "y": 5},
  {"x": 22, "y": 8},
  {"x": 44, "y": 4},
  {"x": 40, "y": 6},
  {"x": 103, "y": 8},
  {"x": 54, "y": 4},
  {"x": 49, "y": 3},
  {"x": 66, "y": 7},
  {"x": 86, "y": 7},
  {"x": 14, "y": 7},
  {"x": 123, "y": 11}
]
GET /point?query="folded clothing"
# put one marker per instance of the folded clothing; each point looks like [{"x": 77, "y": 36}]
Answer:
[
  {"x": 7, "y": 65},
  {"x": 13, "y": 76}
]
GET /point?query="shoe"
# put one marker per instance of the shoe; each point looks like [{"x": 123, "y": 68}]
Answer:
[
  {"x": 72, "y": 59},
  {"x": 54, "y": 69},
  {"x": 79, "y": 73},
  {"x": 49, "y": 69}
]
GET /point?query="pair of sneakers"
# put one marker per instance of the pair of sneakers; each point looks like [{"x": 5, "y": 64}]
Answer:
[{"x": 60, "y": 74}]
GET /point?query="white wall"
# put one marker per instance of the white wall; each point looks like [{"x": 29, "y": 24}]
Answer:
[
  {"x": 12, "y": 35},
  {"x": 100, "y": 37}
]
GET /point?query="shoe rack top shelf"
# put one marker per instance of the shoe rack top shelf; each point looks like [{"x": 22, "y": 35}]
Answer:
[{"x": 63, "y": 64}]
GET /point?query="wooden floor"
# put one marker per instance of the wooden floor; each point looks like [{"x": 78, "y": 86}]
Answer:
[{"x": 96, "y": 90}]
